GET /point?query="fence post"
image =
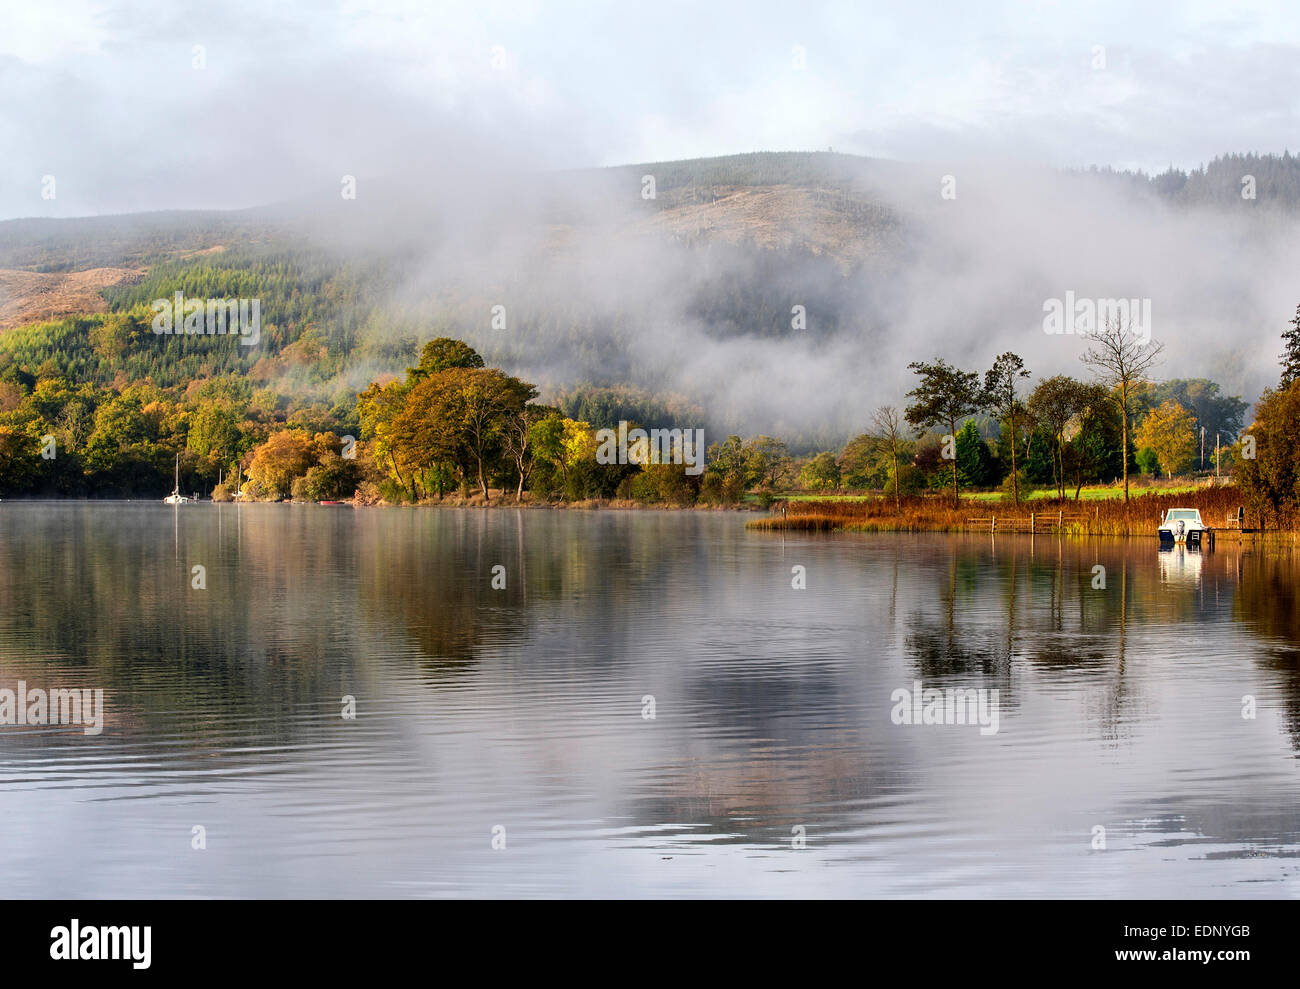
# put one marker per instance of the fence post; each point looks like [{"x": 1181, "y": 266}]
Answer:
[{"x": 1031, "y": 523}]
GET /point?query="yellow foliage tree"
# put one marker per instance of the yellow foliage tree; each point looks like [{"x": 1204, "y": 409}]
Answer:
[
  {"x": 285, "y": 455},
  {"x": 1170, "y": 430},
  {"x": 579, "y": 443}
]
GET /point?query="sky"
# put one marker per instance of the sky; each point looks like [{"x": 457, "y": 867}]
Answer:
[{"x": 162, "y": 104}]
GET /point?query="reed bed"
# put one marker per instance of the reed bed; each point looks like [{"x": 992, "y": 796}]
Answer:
[{"x": 934, "y": 513}]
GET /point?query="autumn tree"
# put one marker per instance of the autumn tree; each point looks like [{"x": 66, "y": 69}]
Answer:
[
  {"x": 522, "y": 436},
  {"x": 444, "y": 354},
  {"x": 729, "y": 472},
  {"x": 488, "y": 400},
  {"x": 578, "y": 457},
  {"x": 333, "y": 477},
  {"x": 378, "y": 408},
  {"x": 460, "y": 415},
  {"x": 821, "y": 472},
  {"x": 285, "y": 456},
  {"x": 767, "y": 460},
  {"x": 214, "y": 431},
  {"x": 1170, "y": 430},
  {"x": 19, "y": 455},
  {"x": 424, "y": 435},
  {"x": 1212, "y": 410},
  {"x": 864, "y": 462},
  {"x": 1271, "y": 479},
  {"x": 546, "y": 437}
]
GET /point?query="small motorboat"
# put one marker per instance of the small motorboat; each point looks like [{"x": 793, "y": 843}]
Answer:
[{"x": 1183, "y": 525}]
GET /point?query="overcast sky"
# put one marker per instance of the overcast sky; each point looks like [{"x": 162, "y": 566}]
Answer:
[{"x": 105, "y": 96}]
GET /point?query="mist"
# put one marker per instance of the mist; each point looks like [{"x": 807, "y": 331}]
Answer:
[
  {"x": 482, "y": 143},
  {"x": 591, "y": 282}
]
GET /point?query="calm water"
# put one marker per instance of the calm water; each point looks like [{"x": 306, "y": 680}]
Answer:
[{"x": 1120, "y": 708}]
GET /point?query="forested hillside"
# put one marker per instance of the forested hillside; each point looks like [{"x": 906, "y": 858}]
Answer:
[{"x": 746, "y": 294}]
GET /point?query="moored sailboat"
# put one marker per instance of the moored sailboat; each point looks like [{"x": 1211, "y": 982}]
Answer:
[{"x": 176, "y": 498}]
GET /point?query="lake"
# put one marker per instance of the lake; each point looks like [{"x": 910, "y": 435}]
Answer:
[{"x": 647, "y": 707}]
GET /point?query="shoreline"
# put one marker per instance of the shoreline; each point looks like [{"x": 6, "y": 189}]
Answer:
[
  {"x": 1220, "y": 508},
  {"x": 586, "y": 505},
  {"x": 1229, "y": 537}
]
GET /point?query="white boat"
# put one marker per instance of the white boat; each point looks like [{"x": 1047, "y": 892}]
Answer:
[
  {"x": 176, "y": 498},
  {"x": 1183, "y": 525}
]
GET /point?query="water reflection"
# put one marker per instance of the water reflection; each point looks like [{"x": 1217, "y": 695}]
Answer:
[{"x": 1120, "y": 669}]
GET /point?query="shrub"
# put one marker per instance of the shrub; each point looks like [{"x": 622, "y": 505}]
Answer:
[
  {"x": 394, "y": 493},
  {"x": 711, "y": 489},
  {"x": 733, "y": 489},
  {"x": 368, "y": 493},
  {"x": 1009, "y": 493},
  {"x": 1148, "y": 461},
  {"x": 639, "y": 487}
]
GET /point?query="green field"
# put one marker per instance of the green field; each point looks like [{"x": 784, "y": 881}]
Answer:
[{"x": 1088, "y": 493}]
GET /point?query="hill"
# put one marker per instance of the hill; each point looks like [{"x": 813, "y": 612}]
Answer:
[{"x": 781, "y": 292}]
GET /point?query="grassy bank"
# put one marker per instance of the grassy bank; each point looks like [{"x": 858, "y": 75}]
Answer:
[{"x": 1099, "y": 516}]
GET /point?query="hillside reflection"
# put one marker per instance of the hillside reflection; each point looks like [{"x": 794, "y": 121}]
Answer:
[{"x": 773, "y": 704}]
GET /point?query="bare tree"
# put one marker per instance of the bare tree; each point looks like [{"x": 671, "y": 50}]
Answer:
[
  {"x": 890, "y": 423},
  {"x": 518, "y": 437},
  {"x": 1121, "y": 360}
]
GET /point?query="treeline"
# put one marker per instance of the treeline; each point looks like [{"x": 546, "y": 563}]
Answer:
[
  {"x": 454, "y": 425},
  {"x": 1218, "y": 182},
  {"x": 965, "y": 431},
  {"x": 1271, "y": 479},
  {"x": 1273, "y": 180},
  {"x": 78, "y": 243},
  {"x": 1070, "y": 432},
  {"x": 71, "y": 425}
]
